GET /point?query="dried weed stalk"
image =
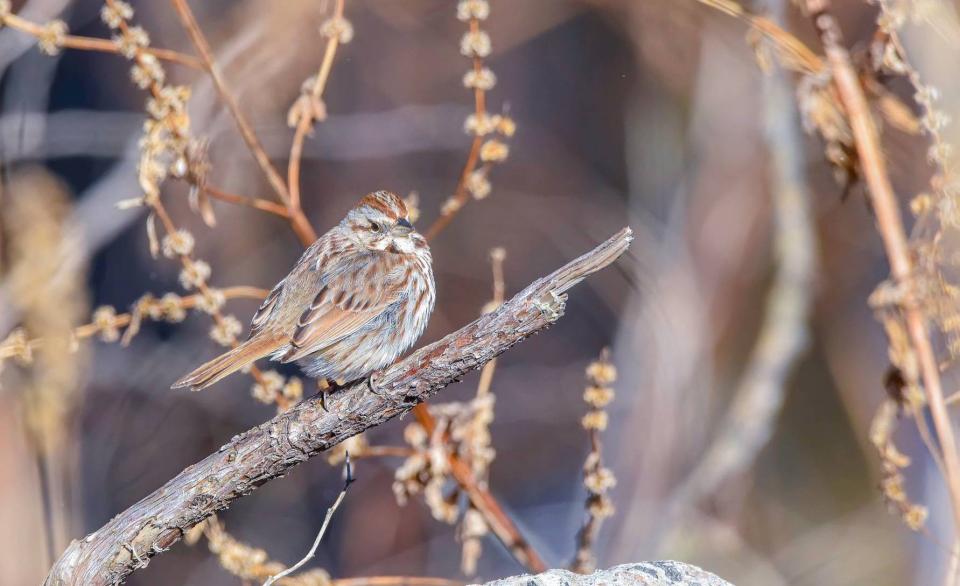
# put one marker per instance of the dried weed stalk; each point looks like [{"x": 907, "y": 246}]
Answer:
[
  {"x": 460, "y": 432},
  {"x": 474, "y": 181},
  {"x": 597, "y": 478},
  {"x": 247, "y": 562},
  {"x": 490, "y": 131},
  {"x": 919, "y": 361},
  {"x": 53, "y": 36},
  {"x": 50, "y": 300},
  {"x": 310, "y": 108},
  {"x": 844, "y": 104}
]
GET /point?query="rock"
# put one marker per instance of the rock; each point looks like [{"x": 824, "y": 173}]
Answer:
[{"x": 661, "y": 573}]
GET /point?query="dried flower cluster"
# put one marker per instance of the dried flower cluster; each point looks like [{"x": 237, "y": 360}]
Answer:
[
  {"x": 893, "y": 463},
  {"x": 273, "y": 387},
  {"x": 461, "y": 430},
  {"x": 937, "y": 211},
  {"x": 820, "y": 107},
  {"x": 490, "y": 132},
  {"x": 597, "y": 478},
  {"x": 831, "y": 96},
  {"x": 167, "y": 149},
  {"x": 109, "y": 326},
  {"x": 247, "y": 562},
  {"x": 309, "y": 106}
]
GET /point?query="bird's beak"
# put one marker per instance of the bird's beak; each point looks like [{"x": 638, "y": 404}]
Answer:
[{"x": 403, "y": 227}]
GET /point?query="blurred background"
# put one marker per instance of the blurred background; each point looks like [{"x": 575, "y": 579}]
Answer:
[{"x": 652, "y": 113}]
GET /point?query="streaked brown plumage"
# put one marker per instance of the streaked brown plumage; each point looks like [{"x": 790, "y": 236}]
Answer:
[{"x": 357, "y": 298}]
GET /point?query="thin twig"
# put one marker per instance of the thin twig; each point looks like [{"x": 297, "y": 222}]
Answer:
[
  {"x": 597, "y": 479},
  {"x": 348, "y": 480},
  {"x": 253, "y": 202},
  {"x": 460, "y": 195},
  {"x": 305, "y": 122},
  {"x": 384, "y": 452},
  {"x": 890, "y": 225},
  {"x": 499, "y": 289},
  {"x": 122, "y": 320},
  {"x": 480, "y": 497},
  {"x": 268, "y": 451},
  {"x": 94, "y": 44},
  {"x": 246, "y": 130},
  {"x": 791, "y": 49}
]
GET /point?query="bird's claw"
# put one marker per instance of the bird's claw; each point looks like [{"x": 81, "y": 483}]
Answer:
[
  {"x": 325, "y": 387},
  {"x": 372, "y": 382}
]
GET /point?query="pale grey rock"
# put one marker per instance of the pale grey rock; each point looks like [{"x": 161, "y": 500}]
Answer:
[{"x": 661, "y": 573}]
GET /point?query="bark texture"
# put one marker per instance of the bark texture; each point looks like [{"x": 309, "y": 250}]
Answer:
[
  {"x": 662, "y": 573},
  {"x": 153, "y": 525}
]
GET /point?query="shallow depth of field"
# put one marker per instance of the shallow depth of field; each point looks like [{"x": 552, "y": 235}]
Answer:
[{"x": 763, "y": 385}]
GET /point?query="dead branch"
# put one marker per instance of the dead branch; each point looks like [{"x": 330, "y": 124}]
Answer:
[{"x": 153, "y": 525}]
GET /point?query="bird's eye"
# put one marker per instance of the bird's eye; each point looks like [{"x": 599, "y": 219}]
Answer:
[{"x": 374, "y": 226}]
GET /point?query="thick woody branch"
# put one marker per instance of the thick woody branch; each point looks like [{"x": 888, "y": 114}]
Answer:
[{"x": 268, "y": 451}]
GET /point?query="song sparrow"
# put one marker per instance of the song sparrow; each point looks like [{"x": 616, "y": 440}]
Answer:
[{"x": 358, "y": 297}]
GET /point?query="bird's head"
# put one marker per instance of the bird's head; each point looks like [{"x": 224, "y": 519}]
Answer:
[{"x": 380, "y": 222}]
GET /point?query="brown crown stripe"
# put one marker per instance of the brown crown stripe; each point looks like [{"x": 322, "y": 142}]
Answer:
[{"x": 386, "y": 202}]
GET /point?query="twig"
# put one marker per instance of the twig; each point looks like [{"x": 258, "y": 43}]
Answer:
[
  {"x": 476, "y": 489},
  {"x": 348, "y": 472},
  {"x": 306, "y": 119},
  {"x": 383, "y": 452},
  {"x": 94, "y": 44},
  {"x": 890, "y": 225},
  {"x": 253, "y": 202},
  {"x": 269, "y": 450},
  {"x": 791, "y": 49},
  {"x": 481, "y": 499},
  {"x": 597, "y": 478},
  {"x": 122, "y": 320},
  {"x": 299, "y": 223},
  {"x": 486, "y": 375},
  {"x": 460, "y": 195}
]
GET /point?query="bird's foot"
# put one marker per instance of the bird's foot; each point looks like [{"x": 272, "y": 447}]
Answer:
[
  {"x": 325, "y": 387},
  {"x": 372, "y": 382}
]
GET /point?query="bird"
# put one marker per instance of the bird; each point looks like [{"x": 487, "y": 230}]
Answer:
[{"x": 357, "y": 298}]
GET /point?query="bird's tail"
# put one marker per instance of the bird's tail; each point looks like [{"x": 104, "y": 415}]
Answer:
[{"x": 230, "y": 362}]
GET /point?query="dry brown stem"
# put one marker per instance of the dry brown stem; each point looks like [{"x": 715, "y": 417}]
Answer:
[
  {"x": 597, "y": 478},
  {"x": 253, "y": 202},
  {"x": 460, "y": 195},
  {"x": 298, "y": 220},
  {"x": 305, "y": 122},
  {"x": 122, "y": 320},
  {"x": 890, "y": 225},
  {"x": 94, "y": 44},
  {"x": 153, "y": 525},
  {"x": 793, "y": 52}
]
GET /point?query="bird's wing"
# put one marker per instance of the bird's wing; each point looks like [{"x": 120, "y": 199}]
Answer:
[
  {"x": 348, "y": 300},
  {"x": 266, "y": 308}
]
